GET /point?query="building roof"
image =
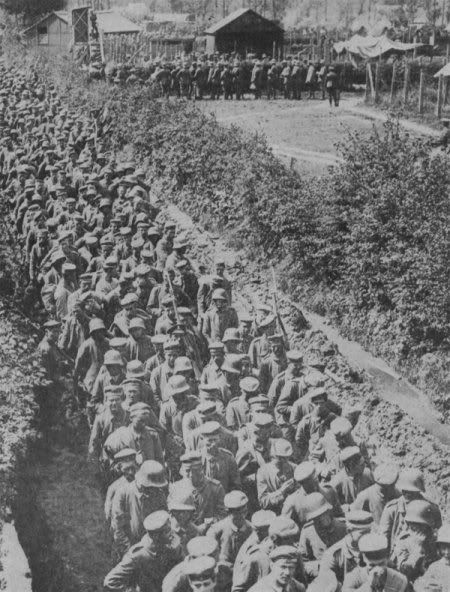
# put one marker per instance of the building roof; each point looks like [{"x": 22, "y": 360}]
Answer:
[
  {"x": 113, "y": 22},
  {"x": 63, "y": 16},
  {"x": 170, "y": 17},
  {"x": 238, "y": 14}
]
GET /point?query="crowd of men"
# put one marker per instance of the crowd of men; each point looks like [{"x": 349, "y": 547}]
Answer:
[
  {"x": 230, "y": 78},
  {"x": 226, "y": 466}
]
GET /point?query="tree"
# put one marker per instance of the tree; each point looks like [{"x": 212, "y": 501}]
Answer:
[{"x": 31, "y": 9}]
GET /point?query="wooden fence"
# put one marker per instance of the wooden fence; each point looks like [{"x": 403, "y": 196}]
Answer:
[
  {"x": 407, "y": 84},
  {"x": 139, "y": 47}
]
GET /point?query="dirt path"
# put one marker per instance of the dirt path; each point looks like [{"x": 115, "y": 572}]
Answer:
[{"x": 304, "y": 133}]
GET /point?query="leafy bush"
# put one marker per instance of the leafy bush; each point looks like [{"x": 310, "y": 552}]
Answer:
[{"x": 370, "y": 237}]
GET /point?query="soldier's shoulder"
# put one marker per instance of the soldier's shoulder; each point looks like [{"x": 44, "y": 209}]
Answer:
[
  {"x": 335, "y": 548},
  {"x": 215, "y": 484},
  {"x": 226, "y": 453},
  {"x": 392, "y": 504}
]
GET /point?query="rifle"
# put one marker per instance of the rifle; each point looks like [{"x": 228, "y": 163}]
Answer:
[
  {"x": 174, "y": 300},
  {"x": 275, "y": 302}
]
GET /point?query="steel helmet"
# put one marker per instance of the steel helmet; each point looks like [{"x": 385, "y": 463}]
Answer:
[
  {"x": 113, "y": 358},
  {"x": 411, "y": 480},
  {"x": 219, "y": 294},
  {"x": 151, "y": 474},
  {"x": 443, "y": 535},
  {"x": 421, "y": 512}
]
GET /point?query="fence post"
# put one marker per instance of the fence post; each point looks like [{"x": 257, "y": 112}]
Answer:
[
  {"x": 439, "y": 97},
  {"x": 372, "y": 87},
  {"x": 377, "y": 82},
  {"x": 394, "y": 72},
  {"x": 406, "y": 84},
  {"x": 366, "y": 97},
  {"x": 421, "y": 90}
]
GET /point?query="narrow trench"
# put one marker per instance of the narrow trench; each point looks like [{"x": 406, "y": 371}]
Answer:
[{"x": 59, "y": 513}]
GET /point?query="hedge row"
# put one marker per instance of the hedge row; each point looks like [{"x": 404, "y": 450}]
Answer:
[{"x": 368, "y": 243}]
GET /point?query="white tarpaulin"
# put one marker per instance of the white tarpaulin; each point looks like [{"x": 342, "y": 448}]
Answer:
[
  {"x": 372, "y": 47},
  {"x": 445, "y": 71}
]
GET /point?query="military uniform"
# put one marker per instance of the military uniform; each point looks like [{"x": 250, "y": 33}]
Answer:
[
  {"x": 208, "y": 499},
  {"x": 392, "y": 520},
  {"x": 144, "y": 566},
  {"x": 349, "y": 486},
  {"x": 146, "y": 443},
  {"x": 222, "y": 467},
  {"x": 295, "y": 505},
  {"x": 237, "y": 413},
  {"x": 230, "y": 538},
  {"x": 314, "y": 542},
  {"x": 339, "y": 560},
  {"x": 374, "y": 499},
  {"x": 395, "y": 581},
  {"x": 128, "y": 511},
  {"x": 270, "y": 367},
  {"x": 269, "y": 480},
  {"x": 215, "y": 323}
]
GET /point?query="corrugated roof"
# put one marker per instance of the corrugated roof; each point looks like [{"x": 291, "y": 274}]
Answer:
[
  {"x": 235, "y": 16},
  {"x": 113, "y": 22}
]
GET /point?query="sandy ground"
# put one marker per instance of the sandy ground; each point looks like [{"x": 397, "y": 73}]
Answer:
[{"x": 304, "y": 134}]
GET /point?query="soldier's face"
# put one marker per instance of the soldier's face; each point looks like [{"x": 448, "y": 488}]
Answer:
[
  {"x": 296, "y": 368},
  {"x": 239, "y": 516},
  {"x": 137, "y": 333},
  {"x": 132, "y": 395},
  {"x": 114, "y": 404},
  {"x": 376, "y": 569},
  {"x": 245, "y": 328},
  {"x": 183, "y": 517},
  {"x": 234, "y": 347},
  {"x": 220, "y": 269},
  {"x": 444, "y": 550},
  {"x": 114, "y": 369},
  {"x": 277, "y": 348},
  {"x": 194, "y": 473},
  {"x": 218, "y": 357},
  {"x": 220, "y": 304},
  {"x": 129, "y": 470},
  {"x": 283, "y": 572},
  {"x": 206, "y": 584},
  {"x": 246, "y": 368},
  {"x": 211, "y": 442},
  {"x": 171, "y": 356}
]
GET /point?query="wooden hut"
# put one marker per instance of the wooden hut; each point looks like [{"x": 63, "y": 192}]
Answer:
[
  {"x": 245, "y": 31},
  {"x": 51, "y": 35}
]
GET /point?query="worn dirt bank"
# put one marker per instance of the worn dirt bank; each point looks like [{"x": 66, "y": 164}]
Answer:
[{"x": 397, "y": 426}]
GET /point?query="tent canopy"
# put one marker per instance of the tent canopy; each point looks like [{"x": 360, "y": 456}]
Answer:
[
  {"x": 445, "y": 71},
  {"x": 372, "y": 47}
]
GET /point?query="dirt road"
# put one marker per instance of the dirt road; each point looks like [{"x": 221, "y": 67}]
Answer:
[{"x": 304, "y": 134}]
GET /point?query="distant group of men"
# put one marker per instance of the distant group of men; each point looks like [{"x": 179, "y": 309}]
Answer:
[
  {"x": 232, "y": 78},
  {"x": 226, "y": 465}
]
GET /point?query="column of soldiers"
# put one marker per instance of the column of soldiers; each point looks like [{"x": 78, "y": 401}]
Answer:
[
  {"x": 231, "y": 77},
  {"x": 225, "y": 464}
]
